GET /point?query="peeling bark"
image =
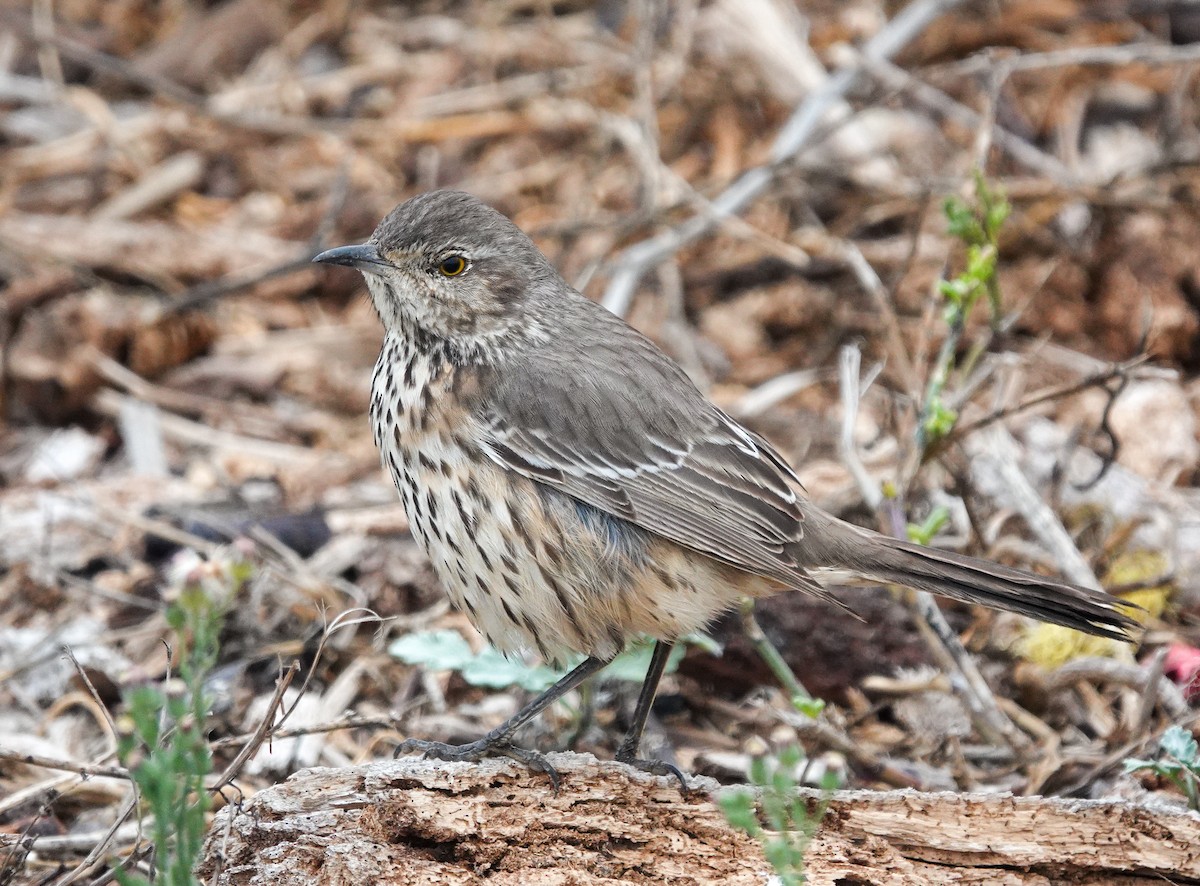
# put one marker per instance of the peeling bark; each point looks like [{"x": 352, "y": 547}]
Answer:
[{"x": 425, "y": 822}]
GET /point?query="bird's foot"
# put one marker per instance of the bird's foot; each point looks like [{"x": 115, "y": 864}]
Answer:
[
  {"x": 654, "y": 767},
  {"x": 474, "y": 751}
]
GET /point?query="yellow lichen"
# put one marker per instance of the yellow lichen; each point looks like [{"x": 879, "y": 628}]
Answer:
[{"x": 1052, "y": 646}]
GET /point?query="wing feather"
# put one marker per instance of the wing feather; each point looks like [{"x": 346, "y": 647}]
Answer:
[{"x": 628, "y": 432}]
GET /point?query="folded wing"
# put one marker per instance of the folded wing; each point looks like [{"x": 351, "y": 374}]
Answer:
[{"x": 630, "y": 434}]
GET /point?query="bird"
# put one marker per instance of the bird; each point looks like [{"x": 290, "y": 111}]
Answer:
[{"x": 574, "y": 489}]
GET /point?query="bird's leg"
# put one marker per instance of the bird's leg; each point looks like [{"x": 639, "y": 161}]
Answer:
[
  {"x": 628, "y": 751},
  {"x": 498, "y": 742}
]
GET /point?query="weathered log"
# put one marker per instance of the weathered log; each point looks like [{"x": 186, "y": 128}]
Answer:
[{"x": 415, "y": 821}]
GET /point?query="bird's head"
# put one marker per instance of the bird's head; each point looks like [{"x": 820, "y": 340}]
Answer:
[{"x": 451, "y": 265}]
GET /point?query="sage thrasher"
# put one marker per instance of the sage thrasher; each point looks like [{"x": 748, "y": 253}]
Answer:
[{"x": 573, "y": 488}]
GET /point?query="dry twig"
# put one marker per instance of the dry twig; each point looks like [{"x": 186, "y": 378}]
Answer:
[{"x": 795, "y": 135}]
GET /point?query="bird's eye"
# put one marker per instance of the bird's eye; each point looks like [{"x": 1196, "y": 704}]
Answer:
[{"x": 452, "y": 265}]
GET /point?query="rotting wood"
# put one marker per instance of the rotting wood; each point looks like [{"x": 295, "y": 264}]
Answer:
[
  {"x": 426, "y": 822},
  {"x": 417, "y": 821}
]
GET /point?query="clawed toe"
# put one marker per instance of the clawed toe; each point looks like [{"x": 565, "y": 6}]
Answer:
[
  {"x": 475, "y": 751},
  {"x": 535, "y": 761},
  {"x": 656, "y": 767},
  {"x": 437, "y": 750}
]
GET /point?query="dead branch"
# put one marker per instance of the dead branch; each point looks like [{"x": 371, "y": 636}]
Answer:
[
  {"x": 795, "y": 135},
  {"x": 419, "y": 821}
]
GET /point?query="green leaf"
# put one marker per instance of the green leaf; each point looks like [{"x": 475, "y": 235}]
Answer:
[
  {"x": 790, "y": 757},
  {"x": 782, "y": 782},
  {"x": 923, "y": 533},
  {"x": 940, "y": 421},
  {"x": 809, "y": 706},
  {"x": 632, "y": 664},
  {"x": 436, "y": 650},
  {"x": 960, "y": 220},
  {"x": 954, "y": 291},
  {"x": 1180, "y": 744},
  {"x": 490, "y": 668},
  {"x": 997, "y": 215},
  {"x": 739, "y": 812},
  {"x": 447, "y": 651},
  {"x": 758, "y": 771},
  {"x": 779, "y": 854}
]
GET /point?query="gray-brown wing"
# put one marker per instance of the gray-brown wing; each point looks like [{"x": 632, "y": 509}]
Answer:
[{"x": 617, "y": 425}]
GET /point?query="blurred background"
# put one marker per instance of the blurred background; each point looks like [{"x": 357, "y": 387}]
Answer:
[{"x": 918, "y": 247}]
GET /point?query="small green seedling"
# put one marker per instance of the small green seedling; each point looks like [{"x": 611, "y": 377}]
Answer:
[
  {"x": 923, "y": 533},
  {"x": 1178, "y": 762},
  {"x": 164, "y": 741},
  {"x": 977, "y": 225},
  {"x": 791, "y": 819}
]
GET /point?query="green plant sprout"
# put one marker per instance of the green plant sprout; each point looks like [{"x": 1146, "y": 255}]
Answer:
[
  {"x": 163, "y": 741},
  {"x": 923, "y": 533},
  {"x": 791, "y": 819},
  {"x": 977, "y": 225},
  {"x": 801, "y": 699},
  {"x": 1178, "y": 762}
]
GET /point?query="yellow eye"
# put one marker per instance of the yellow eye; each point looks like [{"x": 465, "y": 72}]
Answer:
[{"x": 452, "y": 265}]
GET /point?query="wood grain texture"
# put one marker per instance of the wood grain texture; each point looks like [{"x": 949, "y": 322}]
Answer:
[{"x": 415, "y": 821}]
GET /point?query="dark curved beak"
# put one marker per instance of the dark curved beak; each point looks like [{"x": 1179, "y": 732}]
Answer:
[{"x": 361, "y": 257}]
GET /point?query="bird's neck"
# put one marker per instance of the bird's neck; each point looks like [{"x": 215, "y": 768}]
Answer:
[
  {"x": 490, "y": 345},
  {"x": 437, "y": 347}
]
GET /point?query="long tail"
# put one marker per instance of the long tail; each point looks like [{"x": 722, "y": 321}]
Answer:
[{"x": 971, "y": 580}]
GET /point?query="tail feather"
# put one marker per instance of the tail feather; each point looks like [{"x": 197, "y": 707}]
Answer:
[
  {"x": 1000, "y": 587},
  {"x": 968, "y": 579}
]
